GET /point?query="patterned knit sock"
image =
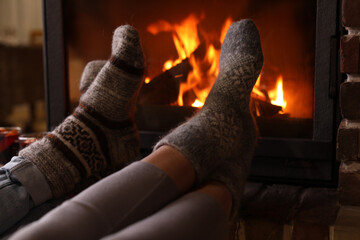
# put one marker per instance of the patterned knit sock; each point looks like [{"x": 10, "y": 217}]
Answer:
[
  {"x": 100, "y": 136},
  {"x": 90, "y": 72},
  {"x": 221, "y": 129},
  {"x": 232, "y": 172}
]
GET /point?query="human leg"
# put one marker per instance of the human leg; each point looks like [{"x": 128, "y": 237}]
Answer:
[
  {"x": 202, "y": 214},
  {"x": 214, "y": 137},
  {"x": 219, "y": 140},
  {"x": 113, "y": 203},
  {"x": 17, "y": 199},
  {"x": 100, "y": 136},
  {"x": 22, "y": 185}
]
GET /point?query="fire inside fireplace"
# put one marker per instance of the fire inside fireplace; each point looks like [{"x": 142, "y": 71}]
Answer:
[
  {"x": 282, "y": 99},
  {"x": 198, "y": 63},
  {"x": 295, "y": 97}
]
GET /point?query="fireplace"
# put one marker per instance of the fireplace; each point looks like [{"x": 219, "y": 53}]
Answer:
[{"x": 294, "y": 100}]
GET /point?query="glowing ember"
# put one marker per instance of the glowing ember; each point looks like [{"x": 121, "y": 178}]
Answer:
[
  {"x": 277, "y": 95},
  {"x": 147, "y": 80}
]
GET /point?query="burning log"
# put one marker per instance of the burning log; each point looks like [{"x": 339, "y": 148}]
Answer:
[
  {"x": 164, "y": 88},
  {"x": 261, "y": 106},
  {"x": 161, "y": 118}
]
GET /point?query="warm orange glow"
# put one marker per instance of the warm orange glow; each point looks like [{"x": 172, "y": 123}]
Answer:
[
  {"x": 184, "y": 35},
  {"x": 167, "y": 65},
  {"x": 204, "y": 71},
  {"x": 147, "y": 80},
  {"x": 181, "y": 92},
  {"x": 277, "y": 95},
  {"x": 256, "y": 90},
  {"x": 186, "y": 41},
  {"x": 257, "y": 84},
  {"x": 197, "y": 103},
  {"x": 224, "y": 29}
]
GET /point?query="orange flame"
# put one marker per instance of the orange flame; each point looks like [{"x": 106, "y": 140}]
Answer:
[
  {"x": 197, "y": 103},
  {"x": 256, "y": 90},
  {"x": 225, "y": 28},
  {"x": 184, "y": 35},
  {"x": 204, "y": 71},
  {"x": 186, "y": 41},
  {"x": 147, "y": 80},
  {"x": 277, "y": 95}
]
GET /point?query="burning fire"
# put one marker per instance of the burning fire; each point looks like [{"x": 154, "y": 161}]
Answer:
[
  {"x": 205, "y": 70},
  {"x": 277, "y": 95},
  {"x": 197, "y": 103},
  {"x": 186, "y": 40}
]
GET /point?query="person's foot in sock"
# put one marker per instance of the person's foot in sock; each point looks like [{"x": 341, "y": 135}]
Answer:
[
  {"x": 233, "y": 172},
  {"x": 217, "y": 133},
  {"x": 90, "y": 72},
  {"x": 100, "y": 136}
]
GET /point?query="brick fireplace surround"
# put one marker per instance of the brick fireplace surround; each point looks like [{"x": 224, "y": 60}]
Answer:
[{"x": 282, "y": 212}]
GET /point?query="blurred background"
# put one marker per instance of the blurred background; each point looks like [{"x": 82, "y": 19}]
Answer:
[{"x": 21, "y": 65}]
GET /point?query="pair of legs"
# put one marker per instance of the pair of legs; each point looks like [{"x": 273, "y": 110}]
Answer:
[
  {"x": 141, "y": 201},
  {"x": 210, "y": 153}
]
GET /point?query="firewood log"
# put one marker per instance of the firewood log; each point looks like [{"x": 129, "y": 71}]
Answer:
[{"x": 164, "y": 88}]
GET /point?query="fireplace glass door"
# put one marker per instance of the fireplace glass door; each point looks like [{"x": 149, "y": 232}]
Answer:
[
  {"x": 292, "y": 101},
  {"x": 182, "y": 42}
]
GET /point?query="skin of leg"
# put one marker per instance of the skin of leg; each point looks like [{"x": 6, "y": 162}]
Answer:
[
  {"x": 118, "y": 200},
  {"x": 175, "y": 165},
  {"x": 180, "y": 170},
  {"x": 220, "y": 193}
]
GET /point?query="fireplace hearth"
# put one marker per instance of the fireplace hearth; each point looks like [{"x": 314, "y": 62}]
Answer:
[{"x": 295, "y": 98}]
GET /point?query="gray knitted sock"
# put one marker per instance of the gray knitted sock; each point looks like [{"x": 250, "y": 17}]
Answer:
[
  {"x": 90, "y": 72},
  {"x": 233, "y": 172},
  {"x": 100, "y": 136},
  {"x": 221, "y": 129}
]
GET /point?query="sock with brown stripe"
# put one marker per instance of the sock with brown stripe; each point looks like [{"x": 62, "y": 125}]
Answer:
[{"x": 100, "y": 136}]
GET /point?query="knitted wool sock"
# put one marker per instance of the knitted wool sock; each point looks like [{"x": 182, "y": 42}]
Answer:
[
  {"x": 217, "y": 133},
  {"x": 90, "y": 72},
  {"x": 233, "y": 171},
  {"x": 100, "y": 136}
]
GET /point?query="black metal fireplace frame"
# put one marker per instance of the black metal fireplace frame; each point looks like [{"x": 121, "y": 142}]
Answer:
[{"x": 305, "y": 161}]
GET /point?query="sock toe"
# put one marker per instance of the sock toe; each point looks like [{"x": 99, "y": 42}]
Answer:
[
  {"x": 241, "y": 50},
  {"x": 101, "y": 136},
  {"x": 90, "y": 72},
  {"x": 126, "y": 47}
]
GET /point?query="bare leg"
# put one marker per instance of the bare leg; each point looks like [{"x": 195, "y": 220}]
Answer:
[
  {"x": 220, "y": 193},
  {"x": 219, "y": 140},
  {"x": 175, "y": 165}
]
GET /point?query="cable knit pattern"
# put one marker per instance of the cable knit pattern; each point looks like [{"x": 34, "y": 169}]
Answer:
[
  {"x": 100, "y": 136},
  {"x": 219, "y": 140}
]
